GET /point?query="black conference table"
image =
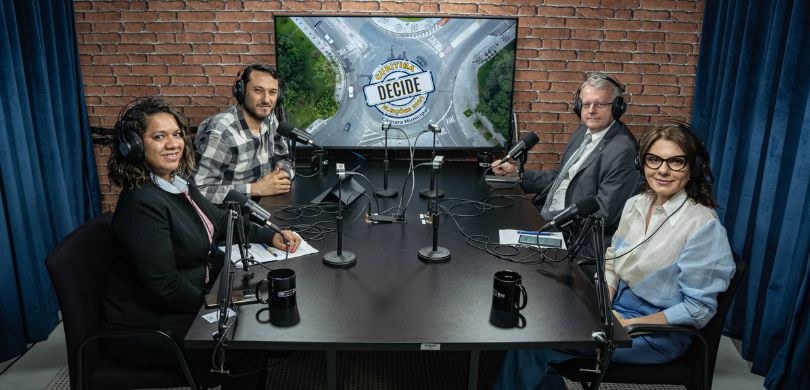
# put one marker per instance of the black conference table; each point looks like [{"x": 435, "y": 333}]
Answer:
[{"x": 392, "y": 301}]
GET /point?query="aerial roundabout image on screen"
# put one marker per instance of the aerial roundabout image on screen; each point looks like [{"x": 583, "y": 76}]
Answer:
[{"x": 348, "y": 78}]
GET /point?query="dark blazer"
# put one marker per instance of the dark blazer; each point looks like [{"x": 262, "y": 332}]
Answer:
[
  {"x": 609, "y": 173},
  {"x": 161, "y": 255}
]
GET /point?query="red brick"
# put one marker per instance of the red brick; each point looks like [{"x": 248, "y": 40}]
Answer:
[
  {"x": 587, "y": 34},
  {"x": 557, "y": 54},
  {"x": 591, "y": 13},
  {"x": 232, "y": 16},
  {"x": 575, "y": 44},
  {"x": 359, "y": 6},
  {"x": 549, "y": 11},
  {"x": 684, "y": 27},
  {"x": 206, "y": 4},
  {"x": 641, "y": 68},
  {"x": 166, "y": 5},
  {"x": 488, "y": 9},
  {"x": 171, "y": 27},
  {"x": 676, "y": 48},
  {"x": 456, "y": 8},
  {"x": 585, "y": 23},
  {"x": 105, "y": 59}
]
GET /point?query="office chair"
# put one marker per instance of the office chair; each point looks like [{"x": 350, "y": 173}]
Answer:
[
  {"x": 694, "y": 369},
  {"x": 78, "y": 267}
]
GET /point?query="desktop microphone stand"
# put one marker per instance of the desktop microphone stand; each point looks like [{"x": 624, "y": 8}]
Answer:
[
  {"x": 435, "y": 253},
  {"x": 340, "y": 258},
  {"x": 521, "y": 166},
  {"x": 244, "y": 252},
  {"x": 385, "y": 192},
  {"x": 433, "y": 192},
  {"x": 224, "y": 298},
  {"x": 606, "y": 347}
]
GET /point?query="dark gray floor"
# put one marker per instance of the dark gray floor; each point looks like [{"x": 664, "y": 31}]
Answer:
[{"x": 44, "y": 367}]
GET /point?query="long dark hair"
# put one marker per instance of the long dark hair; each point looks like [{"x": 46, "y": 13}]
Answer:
[
  {"x": 127, "y": 172},
  {"x": 699, "y": 187}
]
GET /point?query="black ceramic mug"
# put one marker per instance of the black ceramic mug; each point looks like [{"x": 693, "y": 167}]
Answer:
[
  {"x": 281, "y": 288},
  {"x": 508, "y": 293}
]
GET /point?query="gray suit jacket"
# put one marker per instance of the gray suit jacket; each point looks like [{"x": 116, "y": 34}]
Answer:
[{"x": 609, "y": 173}]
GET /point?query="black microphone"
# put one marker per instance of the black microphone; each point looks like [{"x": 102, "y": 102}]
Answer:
[
  {"x": 292, "y": 133},
  {"x": 583, "y": 207},
  {"x": 257, "y": 213},
  {"x": 525, "y": 144}
]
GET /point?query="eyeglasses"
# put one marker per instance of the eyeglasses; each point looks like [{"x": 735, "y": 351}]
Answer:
[
  {"x": 599, "y": 106},
  {"x": 675, "y": 163}
]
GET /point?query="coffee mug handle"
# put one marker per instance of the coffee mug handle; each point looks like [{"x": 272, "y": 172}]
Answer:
[
  {"x": 519, "y": 305},
  {"x": 259, "y": 291}
]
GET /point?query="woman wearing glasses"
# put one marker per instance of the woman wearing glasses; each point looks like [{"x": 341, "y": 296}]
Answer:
[{"x": 668, "y": 259}]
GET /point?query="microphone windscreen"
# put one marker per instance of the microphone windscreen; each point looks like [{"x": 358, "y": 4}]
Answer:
[
  {"x": 236, "y": 196},
  {"x": 587, "y": 206},
  {"x": 285, "y": 129},
  {"x": 530, "y": 140}
]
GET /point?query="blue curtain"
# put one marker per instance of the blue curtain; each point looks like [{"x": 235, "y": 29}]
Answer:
[
  {"x": 48, "y": 179},
  {"x": 751, "y": 96}
]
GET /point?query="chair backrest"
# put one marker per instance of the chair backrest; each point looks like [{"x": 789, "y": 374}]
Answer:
[
  {"x": 713, "y": 331},
  {"x": 78, "y": 267}
]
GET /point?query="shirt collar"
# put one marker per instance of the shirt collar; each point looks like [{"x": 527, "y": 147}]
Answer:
[
  {"x": 670, "y": 206},
  {"x": 176, "y": 186}
]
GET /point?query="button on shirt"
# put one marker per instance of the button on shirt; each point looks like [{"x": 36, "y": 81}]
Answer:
[
  {"x": 682, "y": 267},
  {"x": 558, "y": 198}
]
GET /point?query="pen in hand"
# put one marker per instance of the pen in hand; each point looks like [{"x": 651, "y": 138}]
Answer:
[{"x": 271, "y": 250}]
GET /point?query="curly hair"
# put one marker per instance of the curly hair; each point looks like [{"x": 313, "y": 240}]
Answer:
[
  {"x": 132, "y": 171},
  {"x": 699, "y": 186}
]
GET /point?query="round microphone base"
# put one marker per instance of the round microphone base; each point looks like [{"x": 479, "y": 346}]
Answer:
[
  {"x": 386, "y": 193},
  {"x": 440, "y": 255},
  {"x": 345, "y": 259},
  {"x": 430, "y": 194}
]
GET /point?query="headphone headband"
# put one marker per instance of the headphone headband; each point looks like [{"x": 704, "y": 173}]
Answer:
[
  {"x": 619, "y": 104},
  {"x": 698, "y": 167},
  {"x": 242, "y": 77}
]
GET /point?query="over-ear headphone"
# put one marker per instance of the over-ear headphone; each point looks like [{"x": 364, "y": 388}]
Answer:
[
  {"x": 619, "y": 105},
  {"x": 130, "y": 143},
  {"x": 698, "y": 164},
  {"x": 244, "y": 75}
]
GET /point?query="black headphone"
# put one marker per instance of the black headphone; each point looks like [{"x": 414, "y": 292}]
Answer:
[
  {"x": 130, "y": 143},
  {"x": 244, "y": 75},
  {"x": 698, "y": 165},
  {"x": 619, "y": 105}
]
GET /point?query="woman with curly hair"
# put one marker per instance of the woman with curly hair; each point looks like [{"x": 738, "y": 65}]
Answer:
[{"x": 164, "y": 234}]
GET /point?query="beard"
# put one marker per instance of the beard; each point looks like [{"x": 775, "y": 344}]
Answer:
[{"x": 251, "y": 111}]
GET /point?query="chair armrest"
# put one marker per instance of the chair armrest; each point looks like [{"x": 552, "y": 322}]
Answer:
[
  {"x": 162, "y": 335},
  {"x": 649, "y": 329}
]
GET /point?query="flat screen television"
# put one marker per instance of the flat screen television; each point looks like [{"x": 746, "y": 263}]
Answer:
[{"x": 346, "y": 77}]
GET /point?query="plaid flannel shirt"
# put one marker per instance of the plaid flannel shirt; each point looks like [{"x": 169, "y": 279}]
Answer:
[{"x": 230, "y": 156}]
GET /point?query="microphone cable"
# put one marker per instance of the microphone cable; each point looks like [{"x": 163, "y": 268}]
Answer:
[
  {"x": 653, "y": 233},
  {"x": 507, "y": 252}
]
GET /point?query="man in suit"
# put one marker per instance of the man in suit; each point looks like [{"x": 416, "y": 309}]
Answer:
[{"x": 599, "y": 160}]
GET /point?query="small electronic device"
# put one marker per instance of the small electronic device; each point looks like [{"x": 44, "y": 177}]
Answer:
[
  {"x": 549, "y": 242},
  {"x": 238, "y": 297}
]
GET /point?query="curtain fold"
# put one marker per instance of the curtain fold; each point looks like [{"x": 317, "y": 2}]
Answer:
[
  {"x": 751, "y": 94},
  {"x": 47, "y": 165}
]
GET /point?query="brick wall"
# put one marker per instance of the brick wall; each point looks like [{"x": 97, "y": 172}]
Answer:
[{"x": 190, "y": 51}]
